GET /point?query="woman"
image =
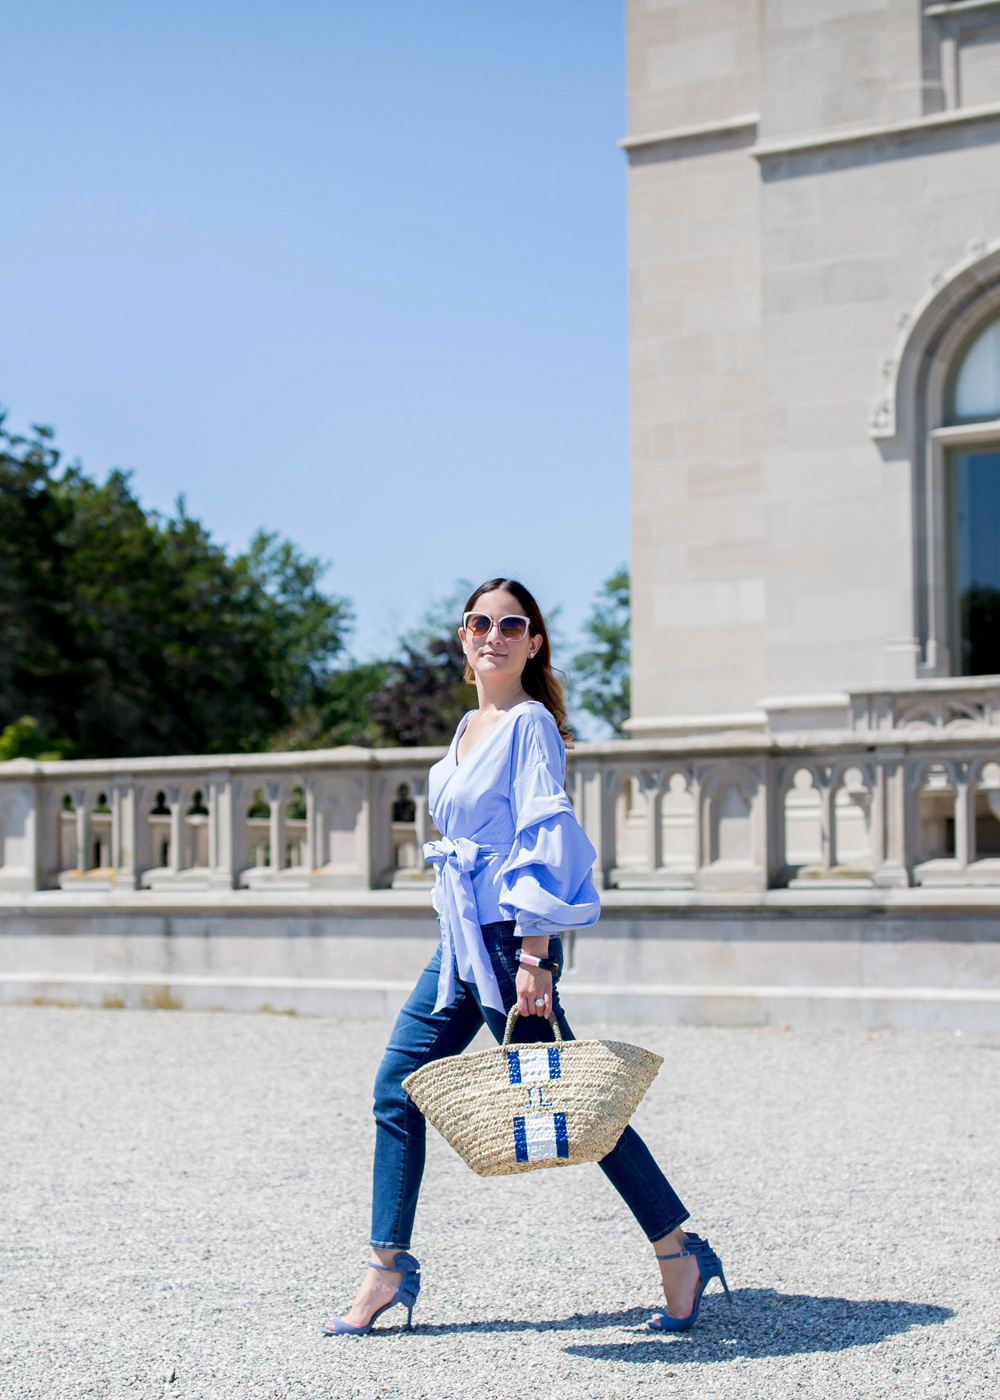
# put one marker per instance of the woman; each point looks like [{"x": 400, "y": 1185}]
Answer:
[{"x": 512, "y": 873}]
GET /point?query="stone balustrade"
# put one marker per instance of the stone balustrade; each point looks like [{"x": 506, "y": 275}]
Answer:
[{"x": 906, "y": 793}]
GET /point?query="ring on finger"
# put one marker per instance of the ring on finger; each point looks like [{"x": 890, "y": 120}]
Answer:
[{"x": 540, "y": 1001}]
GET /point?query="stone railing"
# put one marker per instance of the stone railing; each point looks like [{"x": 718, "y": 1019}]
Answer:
[{"x": 911, "y": 797}]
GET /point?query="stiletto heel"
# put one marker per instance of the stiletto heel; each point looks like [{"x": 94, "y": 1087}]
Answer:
[
  {"x": 709, "y": 1267},
  {"x": 406, "y": 1293}
]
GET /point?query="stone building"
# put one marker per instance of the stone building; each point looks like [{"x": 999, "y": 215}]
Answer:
[{"x": 814, "y": 196}]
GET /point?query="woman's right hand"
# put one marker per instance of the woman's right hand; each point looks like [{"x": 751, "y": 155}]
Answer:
[{"x": 532, "y": 984}]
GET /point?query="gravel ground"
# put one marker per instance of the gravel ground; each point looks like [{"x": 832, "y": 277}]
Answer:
[{"x": 183, "y": 1199}]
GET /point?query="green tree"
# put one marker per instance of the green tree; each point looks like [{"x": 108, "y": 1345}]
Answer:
[
  {"x": 602, "y": 672},
  {"x": 36, "y": 637},
  {"x": 124, "y": 633},
  {"x": 425, "y": 695},
  {"x": 300, "y": 629},
  {"x": 340, "y": 711},
  {"x": 21, "y": 739}
]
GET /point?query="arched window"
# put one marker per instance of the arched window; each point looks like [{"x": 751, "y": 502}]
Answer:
[
  {"x": 942, "y": 411},
  {"x": 974, "y": 491},
  {"x": 976, "y": 392}
]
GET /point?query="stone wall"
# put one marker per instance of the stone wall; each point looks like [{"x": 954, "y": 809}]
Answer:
[
  {"x": 849, "y": 877},
  {"x": 855, "y": 960},
  {"x": 793, "y": 211}
]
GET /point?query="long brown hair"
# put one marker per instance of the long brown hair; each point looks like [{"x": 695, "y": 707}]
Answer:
[{"x": 538, "y": 677}]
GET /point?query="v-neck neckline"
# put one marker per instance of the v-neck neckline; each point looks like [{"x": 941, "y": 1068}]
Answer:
[{"x": 463, "y": 725}]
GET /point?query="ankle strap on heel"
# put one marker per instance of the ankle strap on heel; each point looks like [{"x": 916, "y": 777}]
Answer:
[
  {"x": 404, "y": 1263},
  {"x": 683, "y": 1255}
]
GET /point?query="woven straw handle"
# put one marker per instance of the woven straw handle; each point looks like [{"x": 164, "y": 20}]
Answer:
[{"x": 512, "y": 1016}]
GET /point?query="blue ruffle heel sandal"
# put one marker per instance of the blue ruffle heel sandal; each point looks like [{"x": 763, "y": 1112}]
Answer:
[
  {"x": 406, "y": 1294},
  {"x": 709, "y": 1266}
]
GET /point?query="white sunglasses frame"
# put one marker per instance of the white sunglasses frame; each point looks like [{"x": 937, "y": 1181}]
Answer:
[{"x": 520, "y": 617}]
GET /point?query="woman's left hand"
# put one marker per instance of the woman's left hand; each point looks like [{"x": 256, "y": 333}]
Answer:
[{"x": 533, "y": 984}]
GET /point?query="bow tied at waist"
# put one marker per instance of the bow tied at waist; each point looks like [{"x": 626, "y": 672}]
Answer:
[
  {"x": 462, "y": 853},
  {"x": 462, "y": 944}
]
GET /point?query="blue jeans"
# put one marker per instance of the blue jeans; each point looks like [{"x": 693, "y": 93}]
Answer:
[{"x": 421, "y": 1035}]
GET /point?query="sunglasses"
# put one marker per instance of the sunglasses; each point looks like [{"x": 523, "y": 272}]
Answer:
[{"x": 511, "y": 629}]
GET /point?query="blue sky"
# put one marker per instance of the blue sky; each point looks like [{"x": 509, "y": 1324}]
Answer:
[{"x": 353, "y": 272}]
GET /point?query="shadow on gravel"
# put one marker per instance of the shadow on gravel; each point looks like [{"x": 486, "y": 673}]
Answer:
[
  {"x": 762, "y": 1322},
  {"x": 582, "y": 1322}
]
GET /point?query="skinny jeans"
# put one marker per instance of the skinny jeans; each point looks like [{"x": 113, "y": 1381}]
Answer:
[{"x": 421, "y": 1035}]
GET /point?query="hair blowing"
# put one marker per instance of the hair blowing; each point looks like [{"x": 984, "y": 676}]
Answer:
[{"x": 538, "y": 677}]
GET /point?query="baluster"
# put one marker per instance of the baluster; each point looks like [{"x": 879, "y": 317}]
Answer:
[
  {"x": 116, "y": 827},
  {"x": 701, "y": 817},
  {"x": 965, "y": 815},
  {"x": 828, "y": 824},
  {"x": 588, "y": 780},
  {"x": 604, "y": 790},
  {"x": 123, "y": 832},
  {"x": 651, "y": 782},
  {"x": 421, "y": 814},
  {"x": 382, "y": 787},
  {"x": 878, "y": 819},
  {"x": 34, "y": 867},
  {"x": 222, "y": 846},
  {"x": 367, "y": 831},
  {"x": 759, "y": 818},
  {"x": 34, "y": 861},
  {"x": 82, "y": 829},
  {"x": 176, "y": 861},
  {"x": 21, "y": 833},
  {"x": 276, "y": 831},
  {"x": 894, "y": 820},
  {"x": 312, "y": 843},
  {"x": 775, "y": 776}
]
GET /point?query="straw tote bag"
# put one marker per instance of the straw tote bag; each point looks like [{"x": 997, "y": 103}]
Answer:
[{"x": 520, "y": 1107}]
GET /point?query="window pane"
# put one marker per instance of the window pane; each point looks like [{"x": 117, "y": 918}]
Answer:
[
  {"x": 977, "y": 561},
  {"x": 977, "y": 388}
]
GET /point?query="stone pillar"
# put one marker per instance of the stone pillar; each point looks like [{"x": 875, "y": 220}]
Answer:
[
  {"x": 588, "y": 791},
  {"x": 760, "y": 822},
  {"x": 378, "y": 844},
  {"x": 965, "y": 815},
  {"x": 702, "y": 842},
  {"x": 275, "y": 797},
  {"x": 124, "y": 833},
  {"x": 364, "y": 839},
  {"x": 650, "y": 786},
  {"x": 828, "y": 824},
  {"x": 421, "y": 815},
  {"x": 777, "y": 787},
  {"x": 313, "y": 839},
  {"x": 21, "y": 864},
  {"x": 34, "y": 869},
  {"x": 173, "y": 795},
  {"x": 221, "y": 842},
  {"x": 891, "y": 822},
  {"x": 82, "y": 829}
]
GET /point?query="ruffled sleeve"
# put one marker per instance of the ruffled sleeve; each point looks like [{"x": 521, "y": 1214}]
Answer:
[{"x": 546, "y": 885}]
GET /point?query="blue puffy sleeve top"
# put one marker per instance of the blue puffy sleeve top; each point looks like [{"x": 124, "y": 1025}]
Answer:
[{"x": 511, "y": 845}]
